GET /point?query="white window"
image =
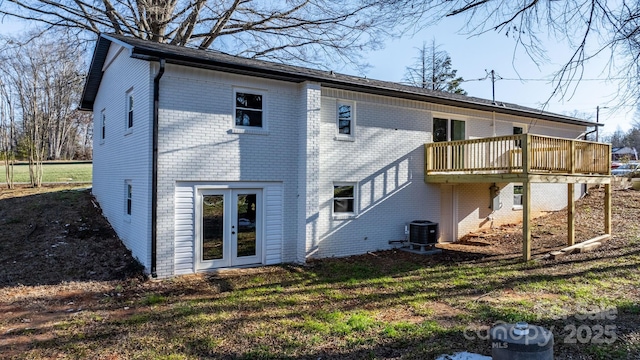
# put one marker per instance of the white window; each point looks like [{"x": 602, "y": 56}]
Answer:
[
  {"x": 103, "y": 125},
  {"x": 517, "y": 196},
  {"x": 249, "y": 109},
  {"x": 346, "y": 120},
  {"x": 344, "y": 199},
  {"x": 129, "y": 118},
  {"x": 448, "y": 129},
  {"x": 128, "y": 194}
]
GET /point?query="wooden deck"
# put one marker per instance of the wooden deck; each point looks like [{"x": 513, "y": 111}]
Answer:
[
  {"x": 518, "y": 158},
  {"x": 525, "y": 159}
]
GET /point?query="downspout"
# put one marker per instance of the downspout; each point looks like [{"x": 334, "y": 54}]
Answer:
[
  {"x": 154, "y": 174},
  {"x": 493, "y": 124}
]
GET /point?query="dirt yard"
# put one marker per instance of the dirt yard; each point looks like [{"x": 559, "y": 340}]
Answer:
[
  {"x": 70, "y": 289},
  {"x": 55, "y": 235}
]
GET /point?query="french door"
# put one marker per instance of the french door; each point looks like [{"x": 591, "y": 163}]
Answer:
[
  {"x": 449, "y": 130},
  {"x": 230, "y": 228}
]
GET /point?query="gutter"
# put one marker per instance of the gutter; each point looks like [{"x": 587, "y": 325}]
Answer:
[{"x": 154, "y": 175}]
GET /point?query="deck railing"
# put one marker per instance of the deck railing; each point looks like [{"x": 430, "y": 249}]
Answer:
[{"x": 524, "y": 153}]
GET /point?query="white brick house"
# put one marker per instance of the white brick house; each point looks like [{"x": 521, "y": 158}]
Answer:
[{"x": 204, "y": 160}]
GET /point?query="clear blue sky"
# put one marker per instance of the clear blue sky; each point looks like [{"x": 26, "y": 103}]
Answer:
[{"x": 472, "y": 55}]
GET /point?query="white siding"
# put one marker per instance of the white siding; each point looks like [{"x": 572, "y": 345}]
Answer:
[
  {"x": 274, "y": 223},
  {"x": 185, "y": 231},
  {"x": 125, "y": 155}
]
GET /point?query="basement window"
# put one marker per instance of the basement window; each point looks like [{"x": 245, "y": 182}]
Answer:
[
  {"x": 128, "y": 194},
  {"x": 344, "y": 200},
  {"x": 518, "y": 190}
]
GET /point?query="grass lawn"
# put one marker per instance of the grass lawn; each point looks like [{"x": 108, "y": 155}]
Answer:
[
  {"x": 52, "y": 172},
  {"x": 389, "y": 304}
]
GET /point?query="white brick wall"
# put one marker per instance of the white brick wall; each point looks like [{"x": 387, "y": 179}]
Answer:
[
  {"x": 386, "y": 160},
  {"x": 197, "y": 145},
  {"x": 124, "y": 155},
  {"x": 309, "y": 171},
  {"x": 298, "y": 151}
]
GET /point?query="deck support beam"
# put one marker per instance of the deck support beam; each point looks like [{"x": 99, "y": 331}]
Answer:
[
  {"x": 607, "y": 209},
  {"x": 571, "y": 212},
  {"x": 526, "y": 221}
]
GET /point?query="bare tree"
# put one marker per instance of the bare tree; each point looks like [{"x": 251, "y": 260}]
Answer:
[
  {"x": 44, "y": 75},
  {"x": 81, "y": 138},
  {"x": 63, "y": 87},
  {"x": 7, "y": 131},
  {"x": 432, "y": 70},
  {"x": 589, "y": 28},
  {"x": 292, "y": 30}
]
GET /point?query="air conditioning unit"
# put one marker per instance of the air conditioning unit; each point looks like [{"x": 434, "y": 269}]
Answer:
[{"x": 423, "y": 232}]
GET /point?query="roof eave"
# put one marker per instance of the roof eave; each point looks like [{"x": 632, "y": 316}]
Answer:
[{"x": 150, "y": 55}]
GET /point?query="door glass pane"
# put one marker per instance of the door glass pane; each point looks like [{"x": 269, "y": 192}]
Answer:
[
  {"x": 457, "y": 155},
  {"x": 212, "y": 227},
  {"x": 457, "y": 130},
  {"x": 440, "y": 130},
  {"x": 246, "y": 225}
]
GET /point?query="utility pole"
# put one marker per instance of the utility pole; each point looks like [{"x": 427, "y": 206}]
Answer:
[
  {"x": 493, "y": 87},
  {"x": 493, "y": 84},
  {"x": 598, "y": 119}
]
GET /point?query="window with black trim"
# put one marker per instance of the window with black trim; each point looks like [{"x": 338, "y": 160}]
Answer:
[
  {"x": 249, "y": 109},
  {"x": 344, "y": 198},
  {"x": 129, "y": 118}
]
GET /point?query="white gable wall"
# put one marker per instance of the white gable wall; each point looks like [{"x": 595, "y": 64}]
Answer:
[
  {"x": 124, "y": 155},
  {"x": 197, "y": 145}
]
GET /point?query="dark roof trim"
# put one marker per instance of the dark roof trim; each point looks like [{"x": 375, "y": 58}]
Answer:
[
  {"x": 94, "y": 77},
  {"x": 214, "y": 60}
]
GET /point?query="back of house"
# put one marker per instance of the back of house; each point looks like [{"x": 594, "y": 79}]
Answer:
[{"x": 205, "y": 161}]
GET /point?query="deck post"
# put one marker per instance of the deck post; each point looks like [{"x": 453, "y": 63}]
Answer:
[
  {"x": 526, "y": 221},
  {"x": 607, "y": 209},
  {"x": 427, "y": 160},
  {"x": 571, "y": 212}
]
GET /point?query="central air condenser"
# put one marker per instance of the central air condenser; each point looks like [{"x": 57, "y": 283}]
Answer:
[{"x": 423, "y": 232}]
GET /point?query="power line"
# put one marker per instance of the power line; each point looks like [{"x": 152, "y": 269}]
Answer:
[{"x": 547, "y": 80}]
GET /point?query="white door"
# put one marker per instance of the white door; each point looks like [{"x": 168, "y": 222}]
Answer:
[
  {"x": 230, "y": 228},
  {"x": 448, "y": 214}
]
